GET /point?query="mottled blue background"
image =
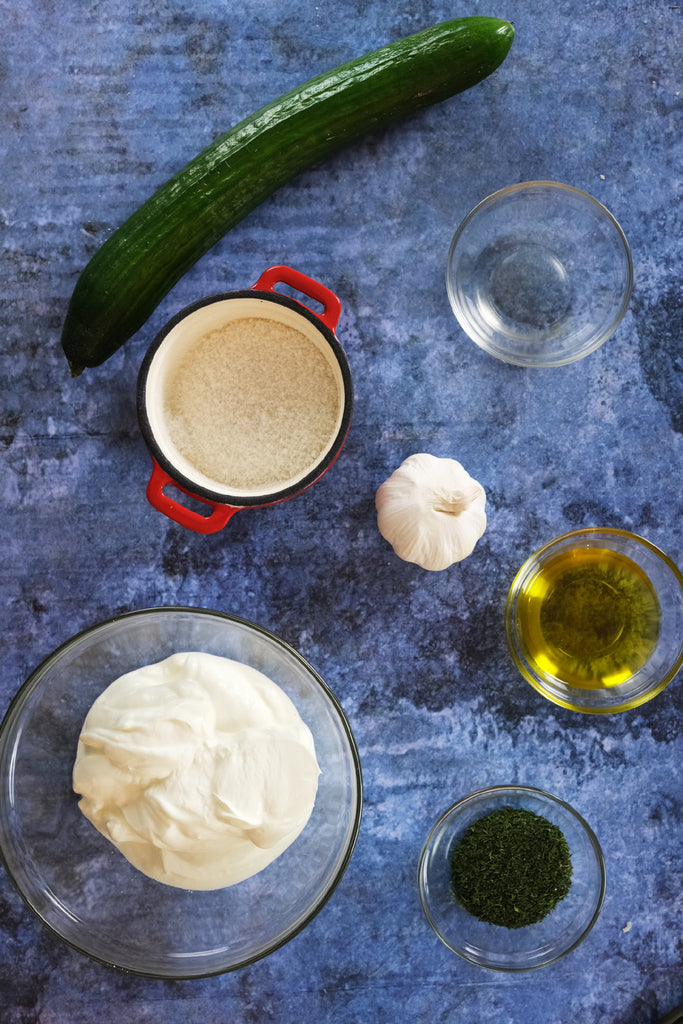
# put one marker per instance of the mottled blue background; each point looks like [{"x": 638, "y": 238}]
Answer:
[{"x": 99, "y": 103}]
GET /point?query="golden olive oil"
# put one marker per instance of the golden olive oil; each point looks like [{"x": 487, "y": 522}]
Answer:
[{"x": 590, "y": 617}]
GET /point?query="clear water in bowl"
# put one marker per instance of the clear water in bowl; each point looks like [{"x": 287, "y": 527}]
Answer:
[
  {"x": 522, "y": 287},
  {"x": 539, "y": 274}
]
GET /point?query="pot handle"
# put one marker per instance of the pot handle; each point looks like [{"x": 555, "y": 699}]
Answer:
[
  {"x": 307, "y": 286},
  {"x": 180, "y": 514}
]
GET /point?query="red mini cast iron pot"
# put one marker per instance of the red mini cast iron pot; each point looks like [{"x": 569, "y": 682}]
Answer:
[{"x": 171, "y": 470}]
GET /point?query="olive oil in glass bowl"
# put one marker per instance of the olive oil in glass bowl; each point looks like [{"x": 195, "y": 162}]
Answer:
[{"x": 594, "y": 620}]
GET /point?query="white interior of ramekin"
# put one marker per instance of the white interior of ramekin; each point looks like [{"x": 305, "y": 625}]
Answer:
[{"x": 201, "y": 321}]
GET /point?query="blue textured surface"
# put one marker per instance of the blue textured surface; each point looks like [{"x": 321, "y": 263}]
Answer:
[{"x": 100, "y": 103}]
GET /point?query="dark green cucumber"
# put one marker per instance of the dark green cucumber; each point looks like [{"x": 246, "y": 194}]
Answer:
[{"x": 137, "y": 265}]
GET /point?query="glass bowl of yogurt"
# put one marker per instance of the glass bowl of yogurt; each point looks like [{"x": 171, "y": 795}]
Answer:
[{"x": 180, "y": 792}]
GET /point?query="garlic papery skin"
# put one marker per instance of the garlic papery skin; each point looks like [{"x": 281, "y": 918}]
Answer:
[{"x": 431, "y": 511}]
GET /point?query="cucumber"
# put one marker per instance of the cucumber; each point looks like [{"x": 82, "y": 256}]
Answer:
[{"x": 140, "y": 262}]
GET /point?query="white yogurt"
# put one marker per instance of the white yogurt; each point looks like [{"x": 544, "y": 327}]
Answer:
[{"x": 199, "y": 769}]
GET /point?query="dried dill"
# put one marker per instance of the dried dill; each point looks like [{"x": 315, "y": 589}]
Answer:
[{"x": 511, "y": 868}]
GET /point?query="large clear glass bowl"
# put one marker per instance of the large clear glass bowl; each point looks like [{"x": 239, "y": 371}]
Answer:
[
  {"x": 493, "y": 946},
  {"x": 83, "y": 889},
  {"x": 666, "y": 657},
  {"x": 539, "y": 274}
]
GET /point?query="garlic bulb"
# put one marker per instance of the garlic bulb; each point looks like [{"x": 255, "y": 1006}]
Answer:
[{"x": 431, "y": 511}]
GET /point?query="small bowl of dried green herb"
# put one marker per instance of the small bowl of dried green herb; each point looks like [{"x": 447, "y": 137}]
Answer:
[{"x": 511, "y": 878}]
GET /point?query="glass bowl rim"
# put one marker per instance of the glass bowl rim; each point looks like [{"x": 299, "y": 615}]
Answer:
[
  {"x": 513, "y": 593},
  {"x": 543, "y": 795},
  {"x": 32, "y": 682},
  {"x": 541, "y": 184}
]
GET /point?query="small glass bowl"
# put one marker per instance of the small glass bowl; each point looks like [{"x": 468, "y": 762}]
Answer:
[
  {"x": 511, "y": 949},
  {"x": 83, "y": 889},
  {"x": 539, "y": 274},
  {"x": 538, "y": 665}
]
